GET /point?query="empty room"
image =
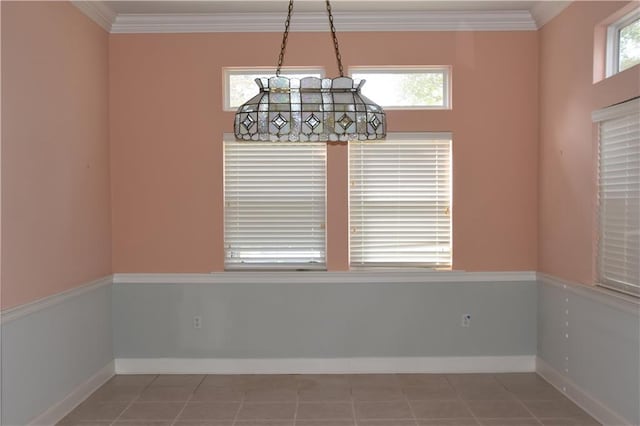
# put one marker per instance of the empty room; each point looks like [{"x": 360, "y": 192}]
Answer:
[{"x": 320, "y": 213}]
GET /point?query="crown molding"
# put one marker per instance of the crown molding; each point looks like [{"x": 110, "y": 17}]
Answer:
[
  {"x": 501, "y": 20},
  {"x": 98, "y": 11},
  {"x": 545, "y": 11},
  {"x": 516, "y": 20}
]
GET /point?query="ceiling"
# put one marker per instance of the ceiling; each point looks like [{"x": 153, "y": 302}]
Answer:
[{"x": 136, "y": 16}]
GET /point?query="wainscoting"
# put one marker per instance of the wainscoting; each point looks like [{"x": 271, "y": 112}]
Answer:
[
  {"x": 589, "y": 347},
  {"x": 58, "y": 350},
  {"x": 308, "y": 322},
  {"x": 54, "y": 353}
]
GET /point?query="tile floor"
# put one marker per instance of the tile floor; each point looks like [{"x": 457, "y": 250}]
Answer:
[{"x": 327, "y": 400}]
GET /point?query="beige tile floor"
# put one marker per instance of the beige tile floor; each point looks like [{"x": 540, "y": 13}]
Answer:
[{"x": 328, "y": 400}]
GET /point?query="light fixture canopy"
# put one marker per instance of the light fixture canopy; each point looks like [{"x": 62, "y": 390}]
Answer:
[{"x": 309, "y": 109}]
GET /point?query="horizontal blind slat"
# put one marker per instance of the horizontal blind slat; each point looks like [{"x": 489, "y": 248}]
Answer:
[{"x": 274, "y": 203}]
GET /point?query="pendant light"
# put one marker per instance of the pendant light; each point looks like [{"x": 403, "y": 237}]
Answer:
[{"x": 311, "y": 108}]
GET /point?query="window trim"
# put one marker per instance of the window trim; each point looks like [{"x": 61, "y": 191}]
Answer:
[
  {"x": 390, "y": 69},
  {"x": 227, "y": 72},
  {"x": 613, "y": 42}
]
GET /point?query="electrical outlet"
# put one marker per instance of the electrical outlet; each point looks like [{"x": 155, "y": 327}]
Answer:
[
  {"x": 197, "y": 322},
  {"x": 466, "y": 320}
]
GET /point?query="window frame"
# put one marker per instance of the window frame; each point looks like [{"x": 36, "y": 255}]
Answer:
[
  {"x": 611, "y": 113},
  {"x": 400, "y": 137},
  {"x": 268, "y": 72},
  {"x": 229, "y": 138},
  {"x": 613, "y": 41},
  {"x": 446, "y": 70}
]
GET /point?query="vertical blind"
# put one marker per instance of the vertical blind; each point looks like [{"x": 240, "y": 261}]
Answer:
[
  {"x": 274, "y": 204},
  {"x": 400, "y": 201},
  {"x": 619, "y": 197}
]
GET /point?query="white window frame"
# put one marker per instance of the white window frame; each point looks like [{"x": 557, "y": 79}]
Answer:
[
  {"x": 613, "y": 41},
  {"x": 262, "y": 265},
  {"x": 445, "y": 70},
  {"x": 267, "y": 71},
  {"x": 400, "y": 137},
  {"x": 618, "y": 115}
]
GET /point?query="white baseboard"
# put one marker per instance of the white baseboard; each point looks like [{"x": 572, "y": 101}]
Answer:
[
  {"x": 583, "y": 399},
  {"x": 56, "y": 412},
  {"x": 491, "y": 364}
]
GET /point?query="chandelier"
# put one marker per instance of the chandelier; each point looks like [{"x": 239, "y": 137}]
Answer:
[{"x": 311, "y": 108}]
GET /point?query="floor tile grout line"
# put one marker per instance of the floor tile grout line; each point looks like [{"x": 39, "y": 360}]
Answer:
[{"x": 235, "y": 418}]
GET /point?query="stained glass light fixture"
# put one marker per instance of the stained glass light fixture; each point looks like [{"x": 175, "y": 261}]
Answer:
[{"x": 309, "y": 109}]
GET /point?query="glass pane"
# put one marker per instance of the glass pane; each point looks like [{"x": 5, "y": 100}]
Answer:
[
  {"x": 242, "y": 85},
  {"x": 405, "y": 89},
  {"x": 629, "y": 45}
]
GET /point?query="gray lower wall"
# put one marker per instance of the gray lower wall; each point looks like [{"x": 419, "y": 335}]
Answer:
[
  {"x": 601, "y": 354},
  {"x": 329, "y": 320},
  {"x": 48, "y": 353}
]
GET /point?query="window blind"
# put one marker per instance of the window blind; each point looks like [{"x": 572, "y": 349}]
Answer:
[
  {"x": 618, "y": 261},
  {"x": 400, "y": 201},
  {"x": 274, "y": 204}
]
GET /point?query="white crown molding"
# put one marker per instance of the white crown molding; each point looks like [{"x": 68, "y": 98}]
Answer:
[
  {"x": 58, "y": 411},
  {"x": 98, "y": 11},
  {"x": 544, "y": 11},
  {"x": 517, "y": 20},
  {"x": 323, "y": 277},
  {"x": 622, "y": 302},
  {"x": 20, "y": 311},
  {"x": 479, "y": 364},
  {"x": 582, "y": 398}
]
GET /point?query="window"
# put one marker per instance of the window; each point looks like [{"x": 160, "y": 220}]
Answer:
[
  {"x": 623, "y": 43},
  {"x": 618, "y": 260},
  {"x": 240, "y": 85},
  {"x": 274, "y": 197},
  {"x": 406, "y": 88},
  {"x": 400, "y": 201}
]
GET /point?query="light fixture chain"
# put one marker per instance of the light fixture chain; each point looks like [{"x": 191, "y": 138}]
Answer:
[
  {"x": 285, "y": 37},
  {"x": 335, "y": 40}
]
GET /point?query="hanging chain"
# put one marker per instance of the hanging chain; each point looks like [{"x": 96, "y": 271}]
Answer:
[
  {"x": 285, "y": 37},
  {"x": 335, "y": 40}
]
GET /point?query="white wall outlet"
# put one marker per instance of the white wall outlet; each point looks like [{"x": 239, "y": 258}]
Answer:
[
  {"x": 466, "y": 320},
  {"x": 197, "y": 322}
]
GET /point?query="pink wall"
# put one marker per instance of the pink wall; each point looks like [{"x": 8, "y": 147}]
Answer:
[
  {"x": 167, "y": 125},
  {"x": 567, "y": 162},
  {"x": 56, "y": 222}
]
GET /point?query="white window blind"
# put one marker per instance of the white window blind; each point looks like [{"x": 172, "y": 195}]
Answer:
[
  {"x": 400, "y": 201},
  {"x": 619, "y": 197},
  {"x": 274, "y": 204}
]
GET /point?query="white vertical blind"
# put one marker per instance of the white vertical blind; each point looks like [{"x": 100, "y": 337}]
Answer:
[
  {"x": 400, "y": 201},
  {"x": 274, "y": 204},
  {"x": 619, "y": 197}
]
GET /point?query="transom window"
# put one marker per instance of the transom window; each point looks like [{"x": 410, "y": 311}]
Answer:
[
  {"x": 623, "y": 43},
  {"x": 406, "y": 87},
  {"x": 240, "y": 85}
]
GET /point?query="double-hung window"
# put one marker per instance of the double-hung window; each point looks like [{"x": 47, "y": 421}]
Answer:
[
  {"x": 400, "y": 201},
  {"x": 274, "y": 196},
  {"x": 618, "y": 257}
]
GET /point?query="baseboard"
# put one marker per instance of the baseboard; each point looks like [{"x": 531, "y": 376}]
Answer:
[
  {"x": 491, "y": 364},
  {"x": 583, "y": 399},
  {"x": 57, "y": 411}
]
